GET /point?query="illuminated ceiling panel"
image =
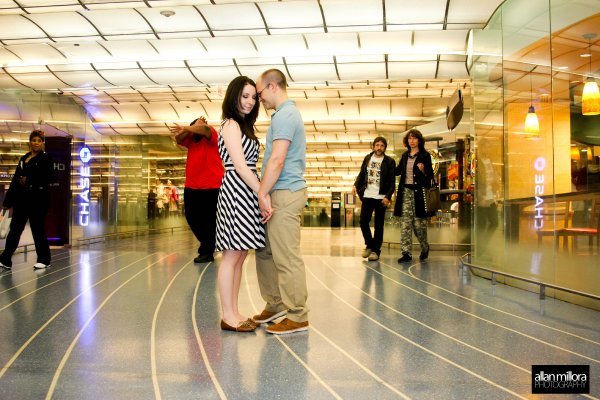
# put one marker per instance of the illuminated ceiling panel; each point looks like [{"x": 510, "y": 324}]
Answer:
[{"x": 355, "y": 68}]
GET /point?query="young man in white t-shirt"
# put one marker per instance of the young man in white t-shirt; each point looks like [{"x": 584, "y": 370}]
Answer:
[{"x": 375, "y": 185}]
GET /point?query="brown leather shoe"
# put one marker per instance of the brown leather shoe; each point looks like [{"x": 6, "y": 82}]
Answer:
[
  {"x": 287, "y": 326},
  {"x": 246, "y": 326},
  {"x": 268, "y": 316},
  {"x": 249, "y": 321}
]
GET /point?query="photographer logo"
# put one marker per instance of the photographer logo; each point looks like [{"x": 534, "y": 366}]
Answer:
[{"x": 551, "y": 379}]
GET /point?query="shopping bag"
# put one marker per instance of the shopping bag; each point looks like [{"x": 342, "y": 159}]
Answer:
[
  {"x": 4, "y": 223},
  {"x": 432, "y": 200}
]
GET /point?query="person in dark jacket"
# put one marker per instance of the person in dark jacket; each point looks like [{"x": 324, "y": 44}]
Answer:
[
  {"x": 375, "y": 186},
  {"x": 416, "y": 173},
  {"x": 29, "y": 198}
]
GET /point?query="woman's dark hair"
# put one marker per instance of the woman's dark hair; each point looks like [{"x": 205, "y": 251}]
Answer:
[
  {"x": 36, "y": 133},
  {"x": 416, "y": 134},
  {"x": 231, "y": 106}
]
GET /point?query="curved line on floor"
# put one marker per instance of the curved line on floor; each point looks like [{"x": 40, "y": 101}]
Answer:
[
  {"x": 423, "y": 348},
  {"x": 67, "y": 354},
  {"x": 492, "y": 308},
  {"x": 45, "y": 286},
  {"x": 472, "y": 347},
  {"x": 477, "y": 316},
  {"x": 56, "y": 314},
  {"x": 211, "y": 372},
  {"x": 305, "y": 365},
  {"x": 483, "y": 319},
  {"x": 53, "y": 271},
  {"x": 153, "y": 332},
  {"x": 15, "y": 271}
]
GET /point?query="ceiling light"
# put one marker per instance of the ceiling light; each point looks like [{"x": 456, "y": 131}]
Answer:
[
  {"x": 590, "y": 98},
  {"x": 532, "y": 124},
  {"x": 167, "y": 13}
]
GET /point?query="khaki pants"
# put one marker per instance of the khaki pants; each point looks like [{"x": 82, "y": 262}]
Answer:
[{"x": 279, "y": 265}]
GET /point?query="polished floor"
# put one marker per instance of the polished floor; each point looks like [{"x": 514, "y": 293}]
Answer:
[{"x": 136, "y": 319}]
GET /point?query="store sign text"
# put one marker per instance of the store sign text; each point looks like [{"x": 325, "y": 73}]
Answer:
[
  {"x": 539, "y": 165},
  {"x": 84, "y": 186}
]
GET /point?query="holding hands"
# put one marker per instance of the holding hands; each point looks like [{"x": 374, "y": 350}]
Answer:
[{"x": 264, "y": 203}]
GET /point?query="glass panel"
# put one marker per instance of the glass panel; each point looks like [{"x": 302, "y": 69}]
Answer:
[{"x": 543, "y": 184}]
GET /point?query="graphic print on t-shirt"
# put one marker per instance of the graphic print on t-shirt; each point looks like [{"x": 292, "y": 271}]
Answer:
[
  {"x": 374, "y": 178},
  {"x": 374, "y": 171}
]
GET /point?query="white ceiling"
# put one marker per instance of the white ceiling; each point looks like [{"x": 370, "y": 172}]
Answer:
[{"x": 356, "y": 68}]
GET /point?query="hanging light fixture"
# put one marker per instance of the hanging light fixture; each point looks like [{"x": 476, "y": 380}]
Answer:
[
  {"x": 532, "y": 124},
  {"x": 590, "y": 98}
]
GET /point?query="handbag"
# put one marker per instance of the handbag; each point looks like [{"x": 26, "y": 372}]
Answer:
[
  {"x": 4, "y": 223},
  {"x": 432, "y": 200}
]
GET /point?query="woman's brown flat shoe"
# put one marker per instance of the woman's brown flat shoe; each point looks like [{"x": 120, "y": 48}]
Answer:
[{"x": 245, "y": 326}]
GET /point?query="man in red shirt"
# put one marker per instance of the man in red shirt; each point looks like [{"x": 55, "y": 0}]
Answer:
[{"x": 203, "y": 174}]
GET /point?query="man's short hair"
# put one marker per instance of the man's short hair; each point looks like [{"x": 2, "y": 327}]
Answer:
[
  {"x": 274, "y": 76},
  {"x": 380, "y": 139}
]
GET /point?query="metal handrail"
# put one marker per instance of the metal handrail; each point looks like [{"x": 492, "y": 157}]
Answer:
[
  {"x": 82, "y": 241},
  {"x": 542, "y": 285}
]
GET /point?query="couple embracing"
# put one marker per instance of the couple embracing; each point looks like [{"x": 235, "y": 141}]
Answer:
[{"x": 263, "y": 215}]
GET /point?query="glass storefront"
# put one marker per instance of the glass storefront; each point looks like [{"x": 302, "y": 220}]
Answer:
[
  {"x": 537, "y": 191},
  {"x": 526, "y": 198},
  {"x": 110, "y": 175}
]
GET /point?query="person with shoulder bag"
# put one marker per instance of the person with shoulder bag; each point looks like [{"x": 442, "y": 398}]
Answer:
[
  {"x": 416, "y": 172},
  {"x": 29, "y": 198}
]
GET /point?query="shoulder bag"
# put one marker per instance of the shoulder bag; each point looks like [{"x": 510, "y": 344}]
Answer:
[{"x": 432, "y": 199}]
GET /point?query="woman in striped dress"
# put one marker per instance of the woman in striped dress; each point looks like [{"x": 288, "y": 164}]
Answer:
[{"x": 239, "y": 225}]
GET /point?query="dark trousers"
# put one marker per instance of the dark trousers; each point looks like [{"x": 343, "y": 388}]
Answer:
[
  {"x": 368, "y": 206},
  {"x": 36, "y": 214},
  {"x": 201, "y": 216}
]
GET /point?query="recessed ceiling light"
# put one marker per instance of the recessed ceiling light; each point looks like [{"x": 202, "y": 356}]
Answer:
[
  {"x": 585, "y": 55},
  {"x": 167, "y": 13}
]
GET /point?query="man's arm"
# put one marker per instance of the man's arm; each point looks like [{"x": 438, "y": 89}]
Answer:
[
  {"x": 271, "y": 175},
  {"x": 200, "y": 127}
]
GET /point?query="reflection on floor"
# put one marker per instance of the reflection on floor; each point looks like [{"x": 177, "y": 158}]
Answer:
[{"x": 136, "y": 319}]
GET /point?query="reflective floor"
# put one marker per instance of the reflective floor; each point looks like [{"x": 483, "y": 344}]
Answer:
[{"x": 136, "y": 319}]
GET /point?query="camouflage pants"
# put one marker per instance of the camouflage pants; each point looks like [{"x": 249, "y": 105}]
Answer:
[{"x": 409, "y": 222}]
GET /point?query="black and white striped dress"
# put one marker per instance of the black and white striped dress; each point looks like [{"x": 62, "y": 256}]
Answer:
[{"x": 238, "y": 215}]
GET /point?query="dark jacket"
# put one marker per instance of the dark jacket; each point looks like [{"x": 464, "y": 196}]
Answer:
[
  {"x": 387, "y": 179},
  {"x": 421, "y": 180},
  {"x": 37, "y": 173}
]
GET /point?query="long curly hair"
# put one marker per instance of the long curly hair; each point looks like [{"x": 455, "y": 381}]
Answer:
[{"x": 416, "y": 134}]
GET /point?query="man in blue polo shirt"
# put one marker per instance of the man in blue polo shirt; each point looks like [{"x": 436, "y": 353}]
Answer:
[{"x": 280, "y": 268}]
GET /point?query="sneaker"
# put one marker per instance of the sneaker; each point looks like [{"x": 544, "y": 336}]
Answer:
[
  {"x": 287, "y": 326},
  {"x": 204, "y": 258},
  {"x": 2, "y": 265},
  {"x": 373, "y": 257},
  {"x": 424, "y": 255},
  {"x": 366, "y": 253},
  {"x": 39, "y": 265},
  {"x": 268, "y": 316},
  {"x": 405, "y": 258}
]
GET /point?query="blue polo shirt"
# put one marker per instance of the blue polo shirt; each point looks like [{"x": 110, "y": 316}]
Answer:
[{"x": 287, "y": 124}]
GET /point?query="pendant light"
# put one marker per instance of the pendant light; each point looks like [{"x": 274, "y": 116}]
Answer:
[
  {"x": 590, "y": 98},
  {"x": 532, "y": 124}
]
